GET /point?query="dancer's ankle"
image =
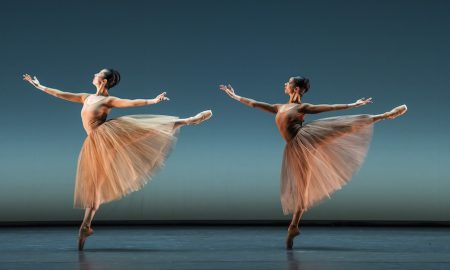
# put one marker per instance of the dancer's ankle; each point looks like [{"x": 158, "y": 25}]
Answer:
[
  {"x": 199, "y": 118},
  {"x": 85, "y": 226}
]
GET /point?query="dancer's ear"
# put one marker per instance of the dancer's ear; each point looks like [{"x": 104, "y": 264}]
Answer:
[{"x": 103, "y": 83}]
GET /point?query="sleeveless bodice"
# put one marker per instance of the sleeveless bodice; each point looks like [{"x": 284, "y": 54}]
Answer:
[
  {"x": 94, "y": 112},
  {"x": 289, "y": 121}
]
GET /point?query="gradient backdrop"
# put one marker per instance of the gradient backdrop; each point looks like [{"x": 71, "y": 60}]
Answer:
[{"x": 228, "y": 168}]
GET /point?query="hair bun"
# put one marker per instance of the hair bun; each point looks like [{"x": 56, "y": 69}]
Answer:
[
  {"x": 301, "y": 82},
  {"x": 112, "y": 76},
  {"x": 306, "y": 84}
]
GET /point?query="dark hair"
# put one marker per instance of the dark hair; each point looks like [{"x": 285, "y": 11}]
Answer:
[
  {"x": 112, "y": 76},
  {"x": 301, "y": 82}
]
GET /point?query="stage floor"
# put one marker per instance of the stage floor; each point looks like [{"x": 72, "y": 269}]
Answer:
[{"x": 258, "y": 247}]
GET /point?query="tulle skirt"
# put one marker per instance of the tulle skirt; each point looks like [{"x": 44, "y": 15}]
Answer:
[
  {"x": 321, "y": 158},
  {"x": 120, "y": 156}
]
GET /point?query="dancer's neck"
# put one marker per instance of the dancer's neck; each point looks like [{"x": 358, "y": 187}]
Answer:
[
  {"x": 295, "y": 98},
  {"x": 102, "y": 92}
]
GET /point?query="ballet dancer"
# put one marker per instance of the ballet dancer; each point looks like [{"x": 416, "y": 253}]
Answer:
[
  {"x": 119, "y": 155},
  {"x": 321, "y": 156}
]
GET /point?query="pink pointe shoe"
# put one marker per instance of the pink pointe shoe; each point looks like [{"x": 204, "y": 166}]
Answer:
[
  {"x": 200, "y": 117},
  {"x": 85, "y": 232},
  {"x": 396, "y": 112},
  {"x": 293, "y": 231}
]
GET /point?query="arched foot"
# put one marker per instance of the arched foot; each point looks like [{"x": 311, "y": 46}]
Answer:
[
  {"x": 293, "y": 231},
  {"x": 85, "y": 232}
]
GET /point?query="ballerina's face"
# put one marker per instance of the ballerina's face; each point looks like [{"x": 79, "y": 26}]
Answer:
[
  {"x": 289, "y": 86},
  {"x": 99, "y": 78}
]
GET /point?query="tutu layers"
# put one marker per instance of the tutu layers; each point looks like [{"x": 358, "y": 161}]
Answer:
[
  {"x": 322, "y": 157},
  {"x": 120, "y": 156}
]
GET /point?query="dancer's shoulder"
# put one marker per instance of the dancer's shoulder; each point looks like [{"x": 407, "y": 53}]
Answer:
[{"x": 303, "y": 107}]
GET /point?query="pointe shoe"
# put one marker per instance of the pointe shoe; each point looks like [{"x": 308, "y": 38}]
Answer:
[
  {"x": 200, "y": 117},
  {"x": 85, "y": 232},
  {"x": 293, "y": 231},
  {"x": 397, "y": 111}
]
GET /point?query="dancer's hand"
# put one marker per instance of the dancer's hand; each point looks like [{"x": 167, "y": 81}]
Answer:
[
  {"x": 361, "y": 102},
  {"x": 229, "y": 90},
  {"x": 33, "y": 81},
  {"x": 161, "y": 97}
]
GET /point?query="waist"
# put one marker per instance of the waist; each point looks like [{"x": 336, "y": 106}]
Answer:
[
  {"x": 90, "y": 126},
  {"x": 289, "y": 132}
]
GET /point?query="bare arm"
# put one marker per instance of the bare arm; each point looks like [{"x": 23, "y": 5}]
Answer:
[
  {"x": 312, "y": 109},
  {"x": 73, "y": 97},
  {"x": 272, "y": 108},
  {"x": 116, "y": 102}
]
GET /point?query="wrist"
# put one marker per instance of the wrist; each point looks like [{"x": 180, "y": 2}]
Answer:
[{"x": 41, "y": 87}]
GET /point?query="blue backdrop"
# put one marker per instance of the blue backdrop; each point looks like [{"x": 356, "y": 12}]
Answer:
[{"x": 394, "y": 51}]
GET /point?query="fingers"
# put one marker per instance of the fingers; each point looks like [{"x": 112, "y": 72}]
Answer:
[
  {"x": 365, "y": 101},
  {"x": 228, "y": 89},
  {"x": 163, "y": 97},
  {"x": 366, "y": 98},
  {"x": 26, "y": 77}
]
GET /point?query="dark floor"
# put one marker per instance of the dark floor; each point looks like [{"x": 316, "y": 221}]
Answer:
[{"x": 252, "y": 248}]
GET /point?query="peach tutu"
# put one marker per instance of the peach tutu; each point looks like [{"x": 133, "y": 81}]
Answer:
[
  {"x": 321, "y": 158},
  {"x": 120, "y": 156}
]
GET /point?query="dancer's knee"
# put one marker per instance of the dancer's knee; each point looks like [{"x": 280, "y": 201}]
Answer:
[
  {"x": 299, "y": 210},
  {"x": 95, "y": 206}
]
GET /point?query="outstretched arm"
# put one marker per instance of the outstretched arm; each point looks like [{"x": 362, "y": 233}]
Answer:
[
  {"x": 272, "y": 108},
  {"x": 311, "y": 109},
  {"x": 74, "y": 97},
  {"x": 116, "y": 102}
]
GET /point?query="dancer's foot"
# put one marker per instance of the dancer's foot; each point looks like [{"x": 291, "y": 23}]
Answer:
[
  {"x": 396, "y": 112},
  {"x": 200, "y": 117},
  {"x": 293, "y": 231},
  {"x": 85, "y": 232}
]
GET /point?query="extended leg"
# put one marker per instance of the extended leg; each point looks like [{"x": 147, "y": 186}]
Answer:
[
  {"x": 194, "y": 120},
  {"x": 392, "y": 114}
]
